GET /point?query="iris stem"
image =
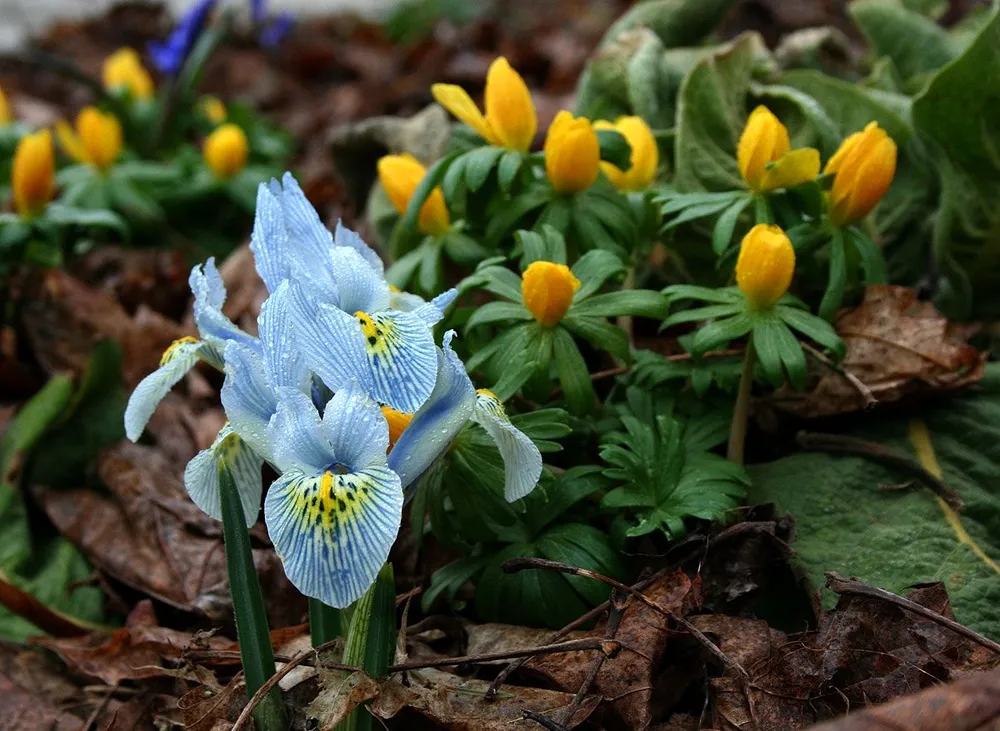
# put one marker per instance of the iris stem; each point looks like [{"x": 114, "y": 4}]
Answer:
[
  {"x": 741, "y": 411},
  {"x": 252, "y": 631},
  {"x": 324, "y": 622}
]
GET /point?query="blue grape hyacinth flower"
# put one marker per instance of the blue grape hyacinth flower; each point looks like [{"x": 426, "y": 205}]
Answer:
[{"x": 168, "y": 55}]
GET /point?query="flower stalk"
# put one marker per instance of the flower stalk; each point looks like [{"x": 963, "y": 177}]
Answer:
[
  {"x": 741, "y": 411},
  {"x": 252, "y": 632},
  {"x": 324, "y": 622}
]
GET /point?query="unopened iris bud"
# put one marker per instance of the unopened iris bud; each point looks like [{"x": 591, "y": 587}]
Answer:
[
  {"x": 765, "y": 265},
  {"x": 5, "y": 115},
  {"x": 96, "y": 141},
  {"x": 548, "y": 290},
  {"x": 212, "y": 109},
  {"x": 225, "y": 151},
  {"x": 863, "y": 167},
  {"x": 33, "y": 173},
  {"x": 510, "y": 120},
  {"x": 123, "y": 69},
  {"x": 645, "y": 156},
  {"x": 572, "y": 153},
  {"x": 398, "y": 421},
  {"x": 400, "y": 175},
  {"x": 765, "y": 158}
]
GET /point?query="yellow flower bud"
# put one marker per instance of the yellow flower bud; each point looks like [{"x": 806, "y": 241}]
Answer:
[
  {"x": 765, "y": 265},
  {"x": 123, "y": 69},
  {"x": 510, "y": 120},
  {"x": 225, "y": 150},
  {"x": 645, "y": 155},
  {"x": 398, "y": 421},
  {"x": 96, "y": 141},
  {"x": 5, "y": 115},
  {"x": 764, "y": 156},
  {"x": 212, "y": 108},
  {"x": 863, "y": 167},
  {"x": 33, "y": 173},
  {"x": 548, "y": 290},
  {"x": 572, "y": 153},
  {"x": 400, "y": 175}
]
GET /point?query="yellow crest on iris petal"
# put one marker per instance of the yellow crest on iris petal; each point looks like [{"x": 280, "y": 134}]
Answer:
[
  {"x": 123, "y": 69},
  {"x": 548, "y": 290},
  {"x": 226, "y": 150},
  {"x": 400, "y": 175},
  {"x": 33, "y": 173},
  {"x": 645, "y": 155},
  {"x": 863, "y": 167},
  {"x": 510, "y": 120},
  {"x": 572, "y": 153},
  {"x": 96, "y": 139},
  {"x": 765, "y": 265},
  {"x": 765, "y": 158}
]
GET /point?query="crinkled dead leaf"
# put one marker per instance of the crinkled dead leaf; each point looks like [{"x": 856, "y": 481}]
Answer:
[
  {"x": 207, "y": 710},
  {"x": 339, "y": 694},
  {"x": 149, "y": 535},
  {"x": 897, "y": 346},
  {"x": 864, "y": 651},
  {"x": 23, "y": 710},
  {"x": 155, "y": 278},
  {"x": 458, "y": 704}
]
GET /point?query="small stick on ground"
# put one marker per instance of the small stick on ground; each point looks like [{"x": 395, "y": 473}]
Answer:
[
  {"x": 839, "y": 444},
  {"x": 542, "y": 720},
  {"x": 617, "y": 601},
  {"x": 857, "y": 383},
  {"x": 852, "y": 587}
]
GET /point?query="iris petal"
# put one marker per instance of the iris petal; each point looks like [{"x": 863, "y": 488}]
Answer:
[
  {"x": 432, "y": 312},
  {"x": 343, "y": 236},
  {"x": 269, "y": 239},
  {"x": 201, "y": 476},
  {"x": 333, "y": 532},
  {"x": 355, "y": 428},
  {"x": 209, "y": 297},
  {"x": 177, "y": 361},
  {"x": 521, "y": 459},
  {"x": 358, "y": 285},
  {"x": 438, "y": 421},
  {"x": 285, "y": 365},
  {"x": 296, "y": 434},
  {"x": 248, "y": 397}
]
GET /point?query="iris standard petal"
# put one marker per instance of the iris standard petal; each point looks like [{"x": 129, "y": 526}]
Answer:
[
  {"x": 285, "y": 364},
  {"x": 522, "y": 461},
  {"x": 248, "y": 396},
  {"x": 174, "y": 365},
  {"x": 305, "y": 229},
  {"x": 333, "y": 532},
  {"x": 214, "y": 326},
  {"x": 269, "y": 239},
  {"x": 296, "y": 434},
  {"x": 201, "y": 476},
  {"x": 343, "y": 236},
  {"x": 432, "y": 312},
  {"x": 360, "y": 287},
  {"x": 438, "y": 421},
  {"x": 357, "y": 431},
  {"x": 405, "y": 301}
]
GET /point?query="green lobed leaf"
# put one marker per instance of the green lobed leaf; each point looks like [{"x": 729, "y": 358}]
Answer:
[
  {"x": 574, "y": 377},
  {"x": 593, "y": 269},
  {"x": 636, "y": 302},
  {"x": 915, "y": 43},
  {"x": 600, "y": 333}
]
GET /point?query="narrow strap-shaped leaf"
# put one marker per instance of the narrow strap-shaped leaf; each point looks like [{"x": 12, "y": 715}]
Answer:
[
  {"x": 813, "y": 327},
  {"x": 324, "y": 622},
  {"x": 573, "y": 373},
  {"x": 837, "y": 284},
  {"x": 872, "y": 262},
  {"x": 722, "y": 234}
]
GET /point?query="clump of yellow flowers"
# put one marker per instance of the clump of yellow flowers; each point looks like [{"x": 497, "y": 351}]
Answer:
[
  {"x": 548, "y": 289},
  {"x": 96, "y": 139},
  {"x": 400, "y": 175},
  {"x": 226, "y": 150},
  {"x": 33, "y": 173},
  {"x": 123, "y": 69}
]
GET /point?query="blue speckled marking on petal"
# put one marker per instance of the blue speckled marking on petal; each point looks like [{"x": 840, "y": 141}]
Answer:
[
  {"x": 438, "y": 421},
  {"x": 333, "y": 532},
  {"x": 201, "y": 476},
  {"x": 522, "y": 461}
]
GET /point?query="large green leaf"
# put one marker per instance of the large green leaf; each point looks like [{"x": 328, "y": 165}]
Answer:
[
  {"x": 914, "y": 42},
  {"x": 711, "y": 114},
  {"x": 849, "y": 519}
]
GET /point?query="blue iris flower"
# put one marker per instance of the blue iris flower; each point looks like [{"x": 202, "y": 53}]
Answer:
[
  {"x": 343, "y": 318},
  {"x": 168, "y": 56},
  {"x": 452, "y": 404},
  {"x": 335, "y": 511}
]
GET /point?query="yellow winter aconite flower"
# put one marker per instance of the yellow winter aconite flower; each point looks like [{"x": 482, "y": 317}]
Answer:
[
  {"x": 548, "y": 290},
  {"x": 212, "y": 108},
  {"x": 33, "y": 173},
  {"x": 96, "y": 141},
  {"x": 765, "y": 265},
  {"x": 645, "y": 154},
  {"x": 864, "y": 167},
  {"x": 765, "y": 157},
  {"x": 572, "y": 153},
  {"x": 398, "y": 421},
  {"x": 510, "y": 120},
  {"x": 5, "y": 115},
  {"x": 225, "y": 150},
  {"x": 400, "y": 175},
  {"x": 123, "y": 69}
]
